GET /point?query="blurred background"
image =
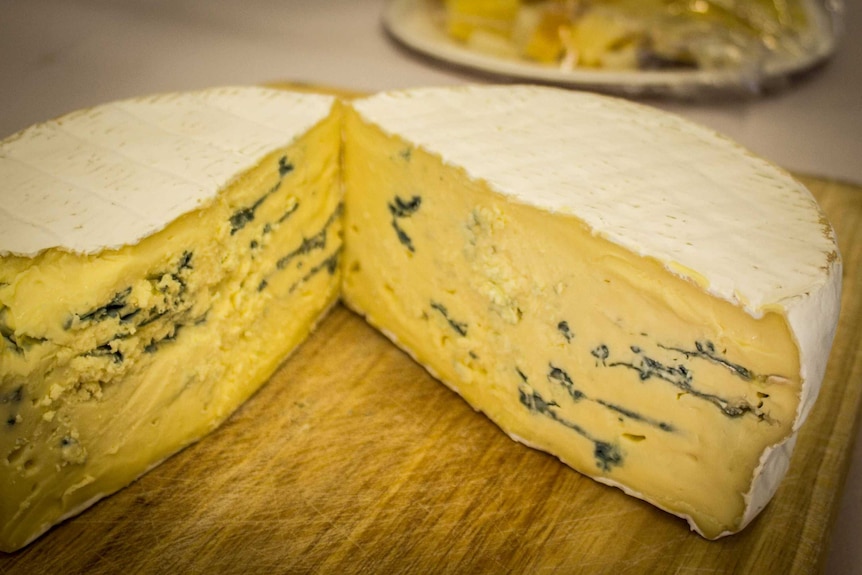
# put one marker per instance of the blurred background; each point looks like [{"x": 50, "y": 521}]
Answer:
[{"x": 60, "y": 55}]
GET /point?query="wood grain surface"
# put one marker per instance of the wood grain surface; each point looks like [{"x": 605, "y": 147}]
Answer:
[{"x": 352, "y": 459}]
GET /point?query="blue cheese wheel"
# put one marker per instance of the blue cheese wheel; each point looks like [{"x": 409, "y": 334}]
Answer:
[
  {"x": 606, "y": 282},
  {"x": 622, "y": 288},
  {"x": 159, "y": 257}
]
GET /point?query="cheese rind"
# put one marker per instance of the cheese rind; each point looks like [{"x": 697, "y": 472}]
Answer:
[
  {"x": 110, "y": 186},
  {"x": 525, "y": 214},
  {"x": 149, "y": 346},
  {"x": 649, "y": 181}
]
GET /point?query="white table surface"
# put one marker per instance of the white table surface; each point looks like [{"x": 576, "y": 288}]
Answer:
[{"x": 60, "y": 55}]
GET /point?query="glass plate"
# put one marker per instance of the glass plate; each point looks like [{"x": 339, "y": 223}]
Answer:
[{"x": 417, "y": 25}]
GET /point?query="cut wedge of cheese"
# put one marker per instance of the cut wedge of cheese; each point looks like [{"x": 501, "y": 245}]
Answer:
[
  {"x": 160, "y": 258},
  {"x": 608, "y": 283}
]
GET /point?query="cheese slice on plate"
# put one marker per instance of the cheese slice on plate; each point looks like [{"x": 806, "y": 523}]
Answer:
[
  {"x": 160, "y": 258},
  {"x": 606, "y": 282},
  {"x": 611, "y": 284}
]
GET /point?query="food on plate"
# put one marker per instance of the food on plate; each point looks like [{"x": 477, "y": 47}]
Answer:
[{"x": 633, "y": 34}]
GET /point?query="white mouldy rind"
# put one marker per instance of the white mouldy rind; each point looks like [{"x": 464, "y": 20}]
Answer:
[
  {"x": 109, "y": 147},
  {"x": 641, "y": 199}
]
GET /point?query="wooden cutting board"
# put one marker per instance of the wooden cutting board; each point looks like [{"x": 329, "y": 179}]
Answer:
[{"x": 352, "y": 459}]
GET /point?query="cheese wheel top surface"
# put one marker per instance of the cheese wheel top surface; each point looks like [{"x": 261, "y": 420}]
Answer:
[
  {"x": 121, "y": 171},
  {"x": 650, "y": 181}
]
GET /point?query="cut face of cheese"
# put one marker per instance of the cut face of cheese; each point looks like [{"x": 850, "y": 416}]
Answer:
[
  {"x": 607, "y": 283},
  {"x": 610, "y": 284},
  {"x": 113, "y": 359}
]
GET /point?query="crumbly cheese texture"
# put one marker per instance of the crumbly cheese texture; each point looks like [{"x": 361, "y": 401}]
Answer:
[
  {"x": 611, "y": 284},
  {"x": 125, "y": 339}
]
